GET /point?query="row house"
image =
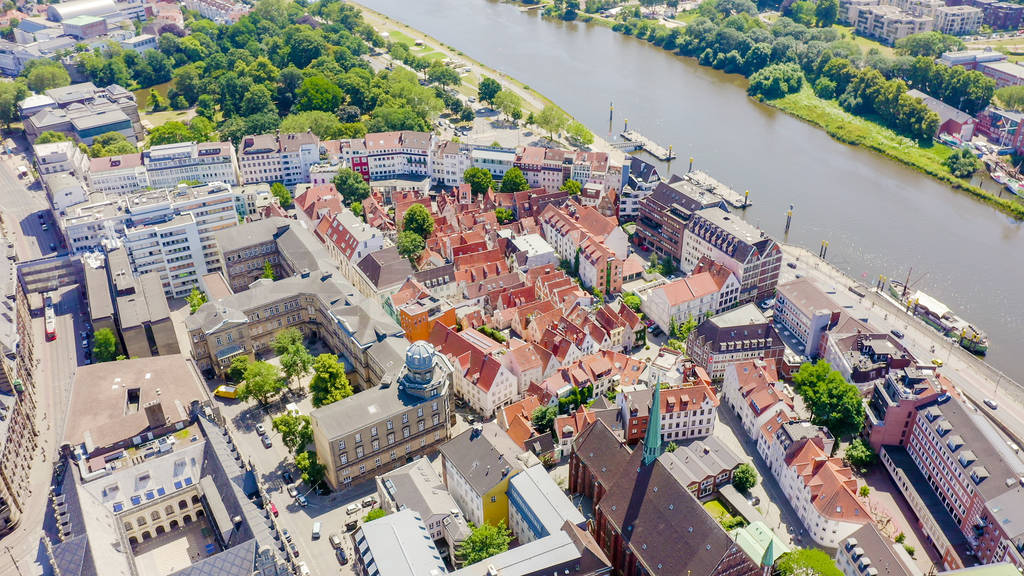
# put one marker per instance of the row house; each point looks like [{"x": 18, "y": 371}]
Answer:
[
  {"x": 387, "y": 155},
  {"x": 566, "y": 228},
  {"x": 480, "y": 378},
  {"x": 600, "y": 269},
  {"x": 602, "y": 371},
  {"x": 693, "y": 297},
  {"x": 736, "y": 335},
  {"x": 315, "y": 201},
  {"x": 755, "y": 392},
  {"x": 550, "y": 168},
  {"x": 284, "y": 158},
  {"x": 625, "y": 329},
  {"x": 348, "y": 239},
  {"x": 687, "y": 412},
  {"x": 724, "y": 238},
  {"x": 451, "y": 160},
  {"x": 117, "y": 175}
]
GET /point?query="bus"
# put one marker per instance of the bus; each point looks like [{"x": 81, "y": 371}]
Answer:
[{"x": 51, "y": 324}]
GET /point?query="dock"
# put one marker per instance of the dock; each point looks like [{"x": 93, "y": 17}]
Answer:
[
  {"x": 706, "y": 182},
  {"x": 640, "y": 142}
]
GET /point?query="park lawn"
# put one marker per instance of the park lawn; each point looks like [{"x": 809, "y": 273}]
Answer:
[
  {"x": 687, "y": 16},
  {"x": 717, "y": 510},
  {"x": 396, "y": 36},
  {"x": 865, "y": 43},
  {"x": 164, "y": 116},
  {"x": 860, "y": 131}
]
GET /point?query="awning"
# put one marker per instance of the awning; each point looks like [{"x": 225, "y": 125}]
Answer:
[{"x": 225, "y": 353}]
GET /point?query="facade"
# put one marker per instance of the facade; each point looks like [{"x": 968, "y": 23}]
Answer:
[
  {"x": 57, "y": 157},
  {"x": 748, "y": 252},
  {"x": 82, "y": 111},
  {"x": 222, "y": 11},
  {"x": 640, "y": 179},
  {"x": 665, "y": 213},
  {"x": 733, "y": 336},
  {"x": 64, "y": 191},
  {"x": 687, "y": 412},
  {"x": 497, "y": 161},
  {"x": 996, "y": 14},
  {"x": 1005, "y": 73},
  {"x": 887, "y": 24},
  {"x": 17, "y": 445},
  {"x": 397, "y": 544},
  {"x": 952, "y": 121},
  {"x": 387, "y": 155},
  {"x": 807, "y": 312},
  {"x": 958, "y": 20},
  {"x": 418, "y": 487},
  {"x": 349, "y": 239},
  {"x": 478, "y": 465},
  {"x": 404, "y": 417},
  {"x": 451, "y": 160},
  {"x": 205, "y": 162},
  {"x": 417, "y": 317},
  {"x": 864, "y": 359},
  {"x": 285, "y": 158},
  {"x": 755, "y": 391},
  {"x": 117, "y": 175},
  {"x": 694, "y": 297}
]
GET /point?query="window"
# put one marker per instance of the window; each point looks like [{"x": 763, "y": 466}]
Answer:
[
  {"x": 359, "y": 438},
  {"x": 373, "y": 432},
  {"x": 390, "y": 425},
  {"x": 493, "y": 499},
  {"x": 359, "y": 451},
  {"x": 419, "y": 412},
  {"x": 420, "y": 425},
  {"x": 434, "y": 406},
  {"x": 436, "y": 419},
  {"x": 405, "y": 432},
  {"x": 376, "y": 444},
  {"x": 391, "y": 438},
  {"x": 405, "y": 418},
  {"x": 344, "y": 458},
  {"x": 392, "y": 454},
  {"x": 362, "y": 469},
  {"x": 376, "y": 461}
]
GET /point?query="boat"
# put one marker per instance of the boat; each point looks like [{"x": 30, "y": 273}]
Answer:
[
  {"x": 999, "y": 177},
  {"x": 1014, "y": 186},
  {"x": 940, "y": 317},
  {"x": 950, "y": 140}
]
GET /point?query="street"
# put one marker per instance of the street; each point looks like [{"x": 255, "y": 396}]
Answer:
[{"x": 25, "y": 207}]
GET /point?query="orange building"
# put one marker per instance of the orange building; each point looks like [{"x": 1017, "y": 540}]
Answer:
[{"x": 418, "y": 317}]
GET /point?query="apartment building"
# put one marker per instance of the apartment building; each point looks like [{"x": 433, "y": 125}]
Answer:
[
  {"x": 665, "y": 213},
  {"x": 477, "y": 466},
  {"x": 538, "y": 508},
  {"x": 998, "y": 15},
  {"x": 865, "y": 358},
  {"x": 755, "y": 391},
  {"x": 57, "y": 157},
  {"x": 807, "y": 313},
  {"x": 733, "y": 336},
  {"x": 349, "y": 239},
  {"x": 386, "y": 155},
  {"x": 497, "y": 161},
  {"x": 640, "y": 180},
  {"x": 285, "y": 158},
  {"x": 204, "y": 162},
  {"x": 600, "y": 269},
  {"x": 958, "y": 20},
  {"x": 747, "y": 251},
  {"x": 404, "y": 417},
  {"x": 451, "y": 160},
  {"x": 691, "y": 298},
  {"x": 117, "y": 175},
  {"x": 17, "y": 445},
  {"x": 887, "y": 24},
  {"x": 221, "y": 11},
  {"x": 569, "y": 227},
  {"x": 417, "y": 486}
]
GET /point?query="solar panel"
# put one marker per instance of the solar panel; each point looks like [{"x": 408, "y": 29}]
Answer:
[
  {"x": 149, "y": 495},
  {"x": 136, "y": 500}
]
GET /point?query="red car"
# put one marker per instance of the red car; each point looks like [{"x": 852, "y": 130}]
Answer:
[{"x": 273, "y": 509}]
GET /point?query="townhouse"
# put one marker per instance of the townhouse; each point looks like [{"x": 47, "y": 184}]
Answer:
[
  {"x": 664, "y": 215},
  {"x": 284, "y": 158},
  {"x": 739, "y": 334},
  {"x": 599, "y": 372},
  {"x": 117, "y": 175},
  {"x": 693, "y": 297},
  {"x": 477, "y": 466},
  {"x": 755, "y": 392},
  {"x": 686, "y": 413},
  {"x": 598, "y": 240},
  {"x": 481, "y": 380},
  {"x": 348, "y": 239},
  {"x": 865, "y": 358}
]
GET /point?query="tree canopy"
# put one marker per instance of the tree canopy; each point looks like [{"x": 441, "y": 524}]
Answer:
[
  {"x": 484, "y": 541},
  {"x": 509, "y": 103},
  {"x": 859, "y": 454},
  {"x": 504, "y": 215},
  {"x": 543, "y": 418},
  {"x": 43, "y": 74},
  {"x": 417, "y": 219},
  {"x": 572, "y": 187},
  {"x": 488, "y": 89},
  {"x": 312, "y": 470},
  {"x": 280, "y": 191},
  {"x": 833, "y": 402},
  {"x": 351, "y": 186},
  {"x": 410, "y": 245},
  {"x": 804, "y": 561},
  {"x": 296, "y": 431},
  {"x": 262, "y": 382},
  {"x": 744, "y": 478},
  {"x": 104, "y": 345},
  {"x": 50, "y": 136},
  {"x": 962, "y": 163},
  {"x": 578, "y": 134},
  {"x": 514, "y": 181},
  {"x": 552, "y": 120},
  {"x": 329, "y": 383},
  {"x": 195, "y": 299},
  {"x": 111, "y": 144},
  {"x": 930, "y": 44},
  {"x": 479, "y": 180},
  {"x": 296, "y": 361}
]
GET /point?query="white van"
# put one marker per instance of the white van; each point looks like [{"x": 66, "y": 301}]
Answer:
[
  {"x": 303, "y": 569},
  {"x": 316, "y": 530}
]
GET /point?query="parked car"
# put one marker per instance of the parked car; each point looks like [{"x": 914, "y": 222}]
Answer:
[
  {"x": 292, "y": 491},
  {"x": 295, "y": 549},
  {"x": 266, "y": 442},
  {"x": 791, "y": 265},
  {"x": 273, "y": 509},
  {"x": 260, "y": 429},
  {"x": 45, "y": 227},
  {"x": 286, "y": 535},
  {"x": 335, "y": 540},
  {"x": 352, "y": 509},
  {"x": 991, "y": 403},
  {"x": 316, "y": 530},
  {"x": 937, "y": 362},
  {"x": 342, "y": 559},
  {"x": 369, "y": 502},
  {"x": 301, "y": 499},
  {"x": 896, "y": 333},
  {"x": 226, "y": 391},
  {"x": 287, "y": 477},
  {"x": 351, "y": 525}
]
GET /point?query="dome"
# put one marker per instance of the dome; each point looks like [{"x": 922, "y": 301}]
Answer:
[{"x": 419, "y": 357}]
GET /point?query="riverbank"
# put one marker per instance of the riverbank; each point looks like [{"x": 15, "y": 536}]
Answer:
[
  {"x": 853, "y": 129},
  {"x": 858, "y": 131}
]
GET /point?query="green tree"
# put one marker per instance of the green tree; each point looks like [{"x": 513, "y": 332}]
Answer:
[
  {"x": 484, "y": 541},
  {"x": 775, "y": 81},
  {"x": 111, "y": 144},
  {"x": 479, "y": 180},
  {"x": 50, "y": 136},
  {"x": 195, "y": 299},
  {"x": 156, "y": 102},
  {"x": 329, "y": 383},
  {"x": 509, "y": 103},
  {"x": 671, "y": 447},
  {"x": 319, "y": 93},
  {"x": 632, "y": 300},
  {"x": 834, "y": 403},
  {"x": 324, "y": 124},
  {"x": 543, "y": 418},
  {"x": 262, "y": 382},
  {"x": 552, "y": 120},
  {"x": 189, "y": 82},
  {"x": 104, "y": 345},
  {"x": 504, "y": 215},
  {"x": 417, "y": 219},
  {"x": 1010, "y": 97},
  {"x": 438, "y": 73},
  {"x": 930, "y": 44},
  {"x": 258, "y": 100},
  {"x": 11, "y": 93},
  {"x": 514, "y": 181},
  {"x": 170, "y": 133},
  {"x": 572, "y": 187},
  {"x": 579, "y": 135},
  {"x": 357, "y": 209},
  {"x": 744, "y": 478},
  {"x": 312, "y": 470},
  {"x": 962, "y": 163},
  {"x": 351, "y": 186},
  {"x": 47, "y": 74},
  {"x": 864, "y": 491},
  {"x": 410, "y": 245},
  {"x": 296, "y": 431},
  {"x": 488, "y": 89},
  {"x": 239, "y": 364},
  {"x": 284, "y": 197},
  {"x": 859, "y": 454},
  {"x": 296, "y": 361},
  {"x": 268, "y": 271},
  {"x": 825, "y": 13},
  {"x": 374, "y": 514},
  {"x": 806, "y": 561}
]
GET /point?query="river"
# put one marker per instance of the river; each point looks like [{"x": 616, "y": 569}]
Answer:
[{"x": 878, "y": 216}]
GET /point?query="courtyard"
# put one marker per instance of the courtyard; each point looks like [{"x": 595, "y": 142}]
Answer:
[{"x": 172, "y": 551}]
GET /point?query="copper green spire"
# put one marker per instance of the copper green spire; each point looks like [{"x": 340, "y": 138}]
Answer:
[{"x": 652, "y": 441}]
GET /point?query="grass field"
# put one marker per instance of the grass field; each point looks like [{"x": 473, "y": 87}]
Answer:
[
  {"x": 859, "y": 131},
  {"x": 717, "y": 510},
  {"x": 865, "y": 43}
]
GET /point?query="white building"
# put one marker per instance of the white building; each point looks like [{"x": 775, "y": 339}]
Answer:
[
  {"x": 172, "y": 249},
  {"x": 451, "y": 160},
  {"x": 140, "y": 43},
  {"x": 117, "y": 175},
  {"x": 204, "y": 163},
  {"x": 695, "y": 297},
  {"x": 537, "y": 507},
  {"x": 221, "y": 11},
  {"x": 756, "y": 393},
  {"x": 61, "y": 157},
  {"x": 497, "y": 161},
  {"x": 324, "y": 172},
  {"x": 803, "y": 309},
  {"x": 349, "y": 239},
  {"x": 887, "y": 24},
  {"x": 285, "y": 158},
  {"x": 64, "y": 191},
  {"x": 958, "y": 20},
  {"x": 536, "y": 250},
  {"x": 418, "y": 487},
  {"x": 255, "y": 198}
]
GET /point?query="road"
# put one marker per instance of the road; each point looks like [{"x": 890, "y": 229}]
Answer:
[
  {"x": 21, "y": 202},
  {"x": 966, "y": 371}
]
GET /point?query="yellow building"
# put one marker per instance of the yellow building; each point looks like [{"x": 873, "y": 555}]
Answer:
[{"x": 477, "y": 467}]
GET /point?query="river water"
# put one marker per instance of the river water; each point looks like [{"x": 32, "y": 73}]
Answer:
[{"x": 878, "y": 216}]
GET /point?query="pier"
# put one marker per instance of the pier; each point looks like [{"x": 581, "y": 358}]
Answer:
[
  {"x": 706, "y": 182},
  {"x": 638, "y": 141}
]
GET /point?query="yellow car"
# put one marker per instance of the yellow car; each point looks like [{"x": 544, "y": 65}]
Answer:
[
  {"x": 225, "y": 391},
  {"x": 937, "y": 362}
]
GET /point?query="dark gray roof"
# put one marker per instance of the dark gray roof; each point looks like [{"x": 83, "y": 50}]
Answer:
[
  {"x": 366, "y": 322},
  {"x": 698, "y": 459},
  {"x": 235, "y": 561},
  {"x": 98, "y": 288},
  {"x": 385, "y": 268},
  {"x": 479, "y": 461},
  {"x": 878, "y": 549},
  {"x": 944, "y": 111},
  {"x": 360, "y": 410},
  {"x": 601, "y": 451},
  {"x": 730, "y": 233}
]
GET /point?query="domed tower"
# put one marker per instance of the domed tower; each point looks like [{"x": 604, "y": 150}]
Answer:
[{"x": 418, "y": 377}]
